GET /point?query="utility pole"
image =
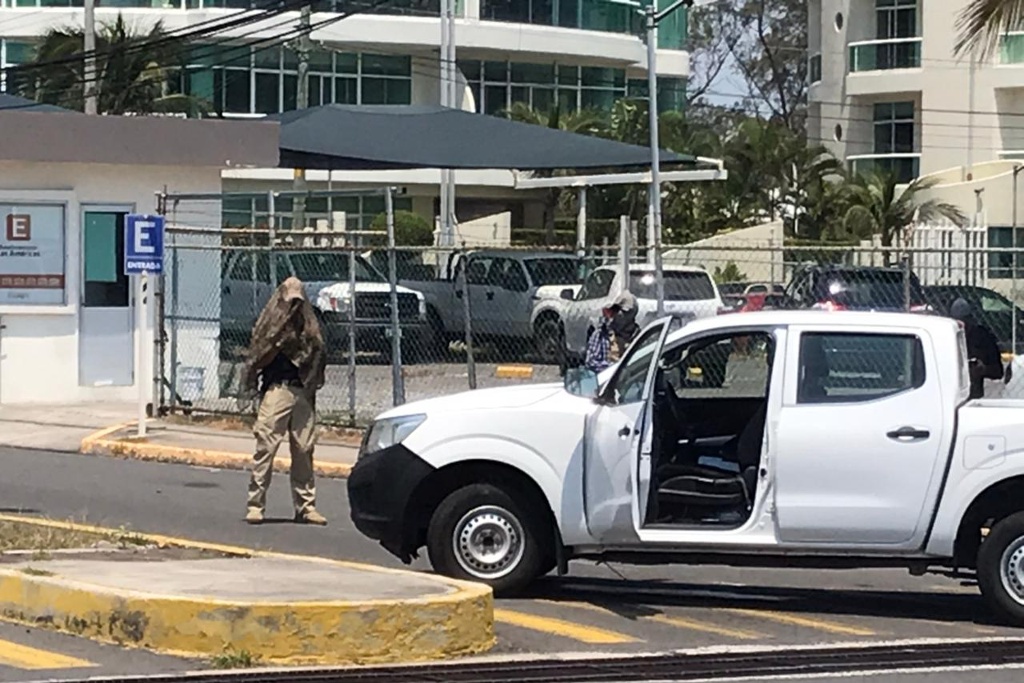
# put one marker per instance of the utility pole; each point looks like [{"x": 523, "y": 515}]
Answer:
[
  {"x": 449, "y": 98},
  {"x": 652, "y": 17},
  {"x": 305, "y": 46},
  {"x": 89, "y": 48}
]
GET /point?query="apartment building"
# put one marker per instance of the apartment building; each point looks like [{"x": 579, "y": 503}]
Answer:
[
  {"x": 573, "y": 53},
  {"x": 886, "y": 89}
]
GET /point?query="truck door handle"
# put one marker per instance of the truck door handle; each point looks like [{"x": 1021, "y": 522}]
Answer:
[
  {"x": 909, "y": 434},
  {"x": 625, "y": 431},
  {"x": 227, "y": 289},
  {"x": 490, "y": 296},
  {"x": 458, "y": 294}
]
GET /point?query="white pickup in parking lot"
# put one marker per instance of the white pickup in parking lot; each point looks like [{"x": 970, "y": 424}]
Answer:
[{"x": 791, "y": 462}]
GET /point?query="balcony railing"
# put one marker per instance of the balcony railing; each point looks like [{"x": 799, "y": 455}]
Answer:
[
  {"x": 880, "y": 55},
  {"x": 905, "y": 165},
  {"x": 814, "y": 69}
]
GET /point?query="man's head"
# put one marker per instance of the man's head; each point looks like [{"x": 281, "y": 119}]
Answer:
[{"x": 961, "y": 310}]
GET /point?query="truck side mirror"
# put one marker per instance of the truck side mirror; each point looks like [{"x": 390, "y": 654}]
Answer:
[
  {"x": 568, "y": 294},
  {"x": 580, "y": 382}
]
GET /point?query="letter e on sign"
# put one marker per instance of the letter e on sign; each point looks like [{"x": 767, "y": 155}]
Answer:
[
  {"x": 19, "y": 227},
  {"x": 144, "y": 237}
]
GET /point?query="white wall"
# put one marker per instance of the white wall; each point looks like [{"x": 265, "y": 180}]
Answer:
[
  {"x": 756, "y": 251},
  {"x": 39, "y": 348}
]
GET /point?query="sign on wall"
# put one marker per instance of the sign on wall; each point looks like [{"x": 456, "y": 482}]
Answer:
[{"x": 32, "y": 266}]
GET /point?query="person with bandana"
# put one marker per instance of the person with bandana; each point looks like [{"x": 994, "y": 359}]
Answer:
[
  {"x": 984, "y": 359},
  {"x": 285, "y": 368}
]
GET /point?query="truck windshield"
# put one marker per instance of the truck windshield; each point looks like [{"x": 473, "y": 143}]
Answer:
[
  {"x": 330, "y": 267},
  {"x": 870, "y": 288},
  {"x": 680, "y": 285},
  {"x": 552, "y": 271}
]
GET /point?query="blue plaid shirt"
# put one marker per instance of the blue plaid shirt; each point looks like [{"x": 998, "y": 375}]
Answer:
[{"x": 598, "y": 349}]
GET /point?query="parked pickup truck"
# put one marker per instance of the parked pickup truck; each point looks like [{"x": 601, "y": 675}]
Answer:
[
  {"x": 246, "y": 286},
  {"x": 563, "y": 325},
  {"x": 503, "y": 286},
  {"x": 788, "y": 464}
]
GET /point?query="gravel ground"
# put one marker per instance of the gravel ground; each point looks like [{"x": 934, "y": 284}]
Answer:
[{"x": 373, "y": 384}]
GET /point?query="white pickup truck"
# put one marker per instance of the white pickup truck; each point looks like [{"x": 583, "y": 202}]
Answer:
[{"x": 789, "y": 463}]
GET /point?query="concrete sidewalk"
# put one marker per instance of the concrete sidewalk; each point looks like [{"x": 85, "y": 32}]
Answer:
[
  {"x": 192, "y": 444},
  {"x": 284, "y": 609},
  {"x": 59, "y": 427}
]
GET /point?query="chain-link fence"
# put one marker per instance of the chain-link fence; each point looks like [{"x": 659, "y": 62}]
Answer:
[{"x": 405, "y": 323}]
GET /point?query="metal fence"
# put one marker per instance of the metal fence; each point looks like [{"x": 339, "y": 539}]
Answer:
[{"x": 404, "y": 323}]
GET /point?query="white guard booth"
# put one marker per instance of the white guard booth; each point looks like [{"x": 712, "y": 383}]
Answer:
[{"x": 67, "y": 181}]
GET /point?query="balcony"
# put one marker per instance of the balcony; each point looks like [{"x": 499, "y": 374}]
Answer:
[
  {"x": 882, "y": 55},
  {"x": 814, "y": 69},
  {"x": 906, "y": 165}
]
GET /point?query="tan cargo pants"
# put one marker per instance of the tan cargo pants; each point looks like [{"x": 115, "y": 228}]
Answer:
[{"x": 284, "y": 411}]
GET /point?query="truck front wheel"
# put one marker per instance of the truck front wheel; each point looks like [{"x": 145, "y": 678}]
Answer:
[
  {"x": 1001, "y": 569},
  {"x": 480, "y": 533}
]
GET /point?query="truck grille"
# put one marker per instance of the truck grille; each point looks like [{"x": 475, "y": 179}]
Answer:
[{"x": 377, "y": 306}]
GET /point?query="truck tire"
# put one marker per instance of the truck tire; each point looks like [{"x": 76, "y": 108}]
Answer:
[
  {"x": 481, "y": 533},
  {"x": 1001, "y": 569},
  {"x": 549, "y": 340}
]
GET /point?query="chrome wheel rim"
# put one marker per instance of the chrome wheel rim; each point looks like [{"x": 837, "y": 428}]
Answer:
[
  {"x": 1011, "y": 570},
  {"x": 488, "y": 542}
]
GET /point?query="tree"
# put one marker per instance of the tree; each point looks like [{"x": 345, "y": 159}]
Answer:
[
  {"x": 982, "y": 24},
  {"x": 730, "y": 273},
  {"x": 133, "y": 71},
  {"x": 411, "y": 229},
  {"x": 770, "y": 53},
  {"x": 585, "y": 122},
  {"x": 878, "y": 207}
]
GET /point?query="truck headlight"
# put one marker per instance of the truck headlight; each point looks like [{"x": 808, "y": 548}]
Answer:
[{"x": 390, "y": 432}]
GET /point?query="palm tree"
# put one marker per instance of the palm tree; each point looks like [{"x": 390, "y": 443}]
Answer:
[
  {"x": 584, "y": 122},
  {"x": 878, "y": 207},
  {"x": 133, "y": 71},
  {"x": 982, "y": 24}
]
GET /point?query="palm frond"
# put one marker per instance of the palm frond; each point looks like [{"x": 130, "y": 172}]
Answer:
[{"x": 981, "y": 25}]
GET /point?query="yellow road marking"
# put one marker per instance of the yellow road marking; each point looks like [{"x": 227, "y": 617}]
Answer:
[
  {"x": 678, "y": 622},
  {"x": 24, "y": 657},
  {"x": 793, "y": 620},
  {"x": 694, "y": 625},
  {"x": 560, "y": 627}
]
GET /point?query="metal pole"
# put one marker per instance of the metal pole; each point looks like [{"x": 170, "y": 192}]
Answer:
[
  {"x": 970, "y": 117},
  {"x": 351, "y": 332},
  {"x": 453, "y": 102},
  {"x": 89, "y": 48},
  {"x": 140, "y": 353},
  {"x": 305, "y": 46},
  {"x": 581, "y": 222},
  {"x": 654, "y": 229},
  {"x": 272, "y": 238},
  {"x": 397, "y": 383},
  {"x": 1013, "y": 267},
  {"x": 467, "y": 315},
  {"x": 624, "y": 235},
  {"x": 173, "y": 370}
]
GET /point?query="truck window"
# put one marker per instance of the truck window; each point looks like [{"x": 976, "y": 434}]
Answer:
[
  {"x": 241, "y": 269},
  {"x": 736, "y": 366},
  {"x": 628, "y": 384},
  {"x": 679, "y": 285},
  {"x": 477, "y": 270},
  {"x": 329, "y": 267},
  {"x": 597, "y": 285},
  {"x": 852, "y": 367},
  {"x": 552, "y": 271},
  {"x": 507, "y": 274}
]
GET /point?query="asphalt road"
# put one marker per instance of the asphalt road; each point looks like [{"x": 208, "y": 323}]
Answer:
[{"x": 595, "y": 609}]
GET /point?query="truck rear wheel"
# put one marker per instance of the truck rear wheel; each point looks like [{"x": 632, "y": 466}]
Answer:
[
  {"x": 1001, "y": 569},
  {"x": 480, "y": 533}
]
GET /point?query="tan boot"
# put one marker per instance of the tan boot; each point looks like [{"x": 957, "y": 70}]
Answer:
[
  {"x": 254, "y": 516},
  {"x": 311, "y": 516}
]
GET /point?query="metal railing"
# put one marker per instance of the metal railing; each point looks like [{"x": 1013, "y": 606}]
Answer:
[{"x": 889, "y": 53}]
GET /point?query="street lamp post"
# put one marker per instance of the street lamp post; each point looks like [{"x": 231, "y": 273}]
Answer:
[{"x": 652, "y": 17}]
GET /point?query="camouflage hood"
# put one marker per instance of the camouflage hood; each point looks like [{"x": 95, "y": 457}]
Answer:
[{"x": 288, "y": 326}]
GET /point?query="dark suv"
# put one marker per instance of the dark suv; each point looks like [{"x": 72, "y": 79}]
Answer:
[
  {"x": 990, "y": 308},
  {"x": 854, "y": 288}
]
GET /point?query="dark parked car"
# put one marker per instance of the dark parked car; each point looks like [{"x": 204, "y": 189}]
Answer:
[
  {"x": 854, "y": 288},
  {"x": 991, "y": 308}
]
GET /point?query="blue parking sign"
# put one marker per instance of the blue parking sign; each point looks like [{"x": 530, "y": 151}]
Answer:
[{"x": 143, "y": 244}]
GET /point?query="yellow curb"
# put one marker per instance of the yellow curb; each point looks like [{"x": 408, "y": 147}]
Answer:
[
  {"x": 514, "y": 372},
  {"x": 319, "y": 633},
  {"x": 131, "y": 449}
]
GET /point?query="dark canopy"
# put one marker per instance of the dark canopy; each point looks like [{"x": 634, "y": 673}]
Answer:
[
  {"x": 344, "y": 137},
  {"x": 14, "y": 103}
]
